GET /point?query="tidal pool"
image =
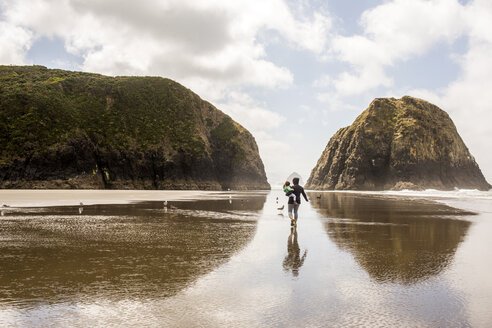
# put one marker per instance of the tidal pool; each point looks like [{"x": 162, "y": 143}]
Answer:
[{"x": 232, "y": 260}]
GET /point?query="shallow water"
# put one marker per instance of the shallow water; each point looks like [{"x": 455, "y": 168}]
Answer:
[{"x": 354, "y": 260}]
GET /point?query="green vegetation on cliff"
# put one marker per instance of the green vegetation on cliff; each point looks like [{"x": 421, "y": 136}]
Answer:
[{"x": 80, "y": 130}]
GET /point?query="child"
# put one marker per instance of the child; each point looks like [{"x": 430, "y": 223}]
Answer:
[{"x": 289, "y": 191}]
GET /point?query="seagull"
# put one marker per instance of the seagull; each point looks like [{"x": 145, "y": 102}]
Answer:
[
  {"x": 5, "y": 205},
  {"x": 281, "y": 208},
  {"x": 81, "y": 204},
  {"x": 165, "y": 203}
]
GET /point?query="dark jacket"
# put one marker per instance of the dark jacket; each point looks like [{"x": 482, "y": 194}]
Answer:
[{"x": 298, "y": 190}]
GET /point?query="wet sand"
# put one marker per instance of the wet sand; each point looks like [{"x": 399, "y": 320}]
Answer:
[
  {"x": 33, "y": 198},
  {"x": 354, "y": 260}
]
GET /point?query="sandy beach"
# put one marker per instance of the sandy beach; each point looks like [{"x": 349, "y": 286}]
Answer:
[
  {"x": 231, "y": 259},
  {"x": 42, "y": 198}
]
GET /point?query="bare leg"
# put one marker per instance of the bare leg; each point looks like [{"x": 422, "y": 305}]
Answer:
[
  {"x": 296, "y": 208},
  {"x": 291, "y": 207}
]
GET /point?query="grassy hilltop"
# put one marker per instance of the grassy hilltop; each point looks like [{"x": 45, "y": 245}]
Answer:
[{"x": 63, "y": 129}]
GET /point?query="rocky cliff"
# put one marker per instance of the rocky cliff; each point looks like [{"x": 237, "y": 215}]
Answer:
[
  {"x": 404, "y": 143},
  {"x": 61, "y": 129}
]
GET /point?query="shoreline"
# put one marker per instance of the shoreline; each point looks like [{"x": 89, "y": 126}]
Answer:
[
  {"x": 16, "y": 198},
  {"x": 19, "y": 198},
  {"x": 429, "y": 193}
]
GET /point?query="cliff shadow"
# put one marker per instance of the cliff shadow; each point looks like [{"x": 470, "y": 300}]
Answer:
[
  {"x": 119, "y": 251},
  {"x": 393, "y": 239}
]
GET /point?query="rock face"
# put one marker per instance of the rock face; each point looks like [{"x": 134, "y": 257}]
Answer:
[
  {"x": 61, "y": 129},
  {"x": 404, "y": 143}
]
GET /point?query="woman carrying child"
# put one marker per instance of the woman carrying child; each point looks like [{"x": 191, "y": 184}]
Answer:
[{"x": 294, "y": 201}]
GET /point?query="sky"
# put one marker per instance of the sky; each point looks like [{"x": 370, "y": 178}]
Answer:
[{"x": 291, "y": 72}]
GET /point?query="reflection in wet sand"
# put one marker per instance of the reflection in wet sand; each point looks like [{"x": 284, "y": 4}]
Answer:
[
  {"x": 119, "y": 251},
  {"x": 394, "y": 240},
  {"x": 293, "y": 261}
]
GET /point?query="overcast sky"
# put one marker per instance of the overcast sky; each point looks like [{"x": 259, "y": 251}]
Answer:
[{"x": 292, "y": 72}]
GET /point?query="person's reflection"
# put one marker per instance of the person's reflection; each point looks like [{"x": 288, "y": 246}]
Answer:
[{"x": 293, "y": 261}]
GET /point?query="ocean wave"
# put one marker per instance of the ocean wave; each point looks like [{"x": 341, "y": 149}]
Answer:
[
  {"x": 457, "y": 193},
  {"x": 433, "y": 193}
]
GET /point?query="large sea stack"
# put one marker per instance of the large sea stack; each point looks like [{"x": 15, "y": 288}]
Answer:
[
  {"x": 62, "y": 129},
  {"x": 404, "y": 143}
]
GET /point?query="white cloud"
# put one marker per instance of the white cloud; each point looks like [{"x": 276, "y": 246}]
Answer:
[
  {"x": 324, "y": 81},
  {"x": 334, "y": 102},
  {"x": 306, "y": 108},
  {"x": 425, "y": 94},
  {"x": 242, "y": 108},
  {"x": 366, "y": 78},
  {"x": 468, "y": 99},
  {"x": 204, "y": 42},
  {"x": 277, "y": 156},
  {"x": 394, "y": 32},
  {"x": 14, "y": 42}
]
